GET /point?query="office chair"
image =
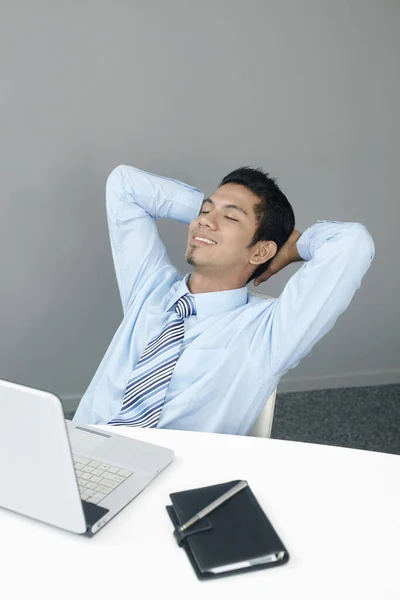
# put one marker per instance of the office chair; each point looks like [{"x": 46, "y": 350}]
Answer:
[{"x": 263, "y": 424}]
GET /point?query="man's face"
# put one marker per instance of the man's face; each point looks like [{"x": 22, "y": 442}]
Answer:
[{"x": 227, "y": 218}]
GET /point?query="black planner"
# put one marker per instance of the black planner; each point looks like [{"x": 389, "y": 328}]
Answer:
[{"x": 234, "y": 538}]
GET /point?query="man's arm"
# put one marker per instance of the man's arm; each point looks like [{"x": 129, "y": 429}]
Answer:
[
  {"x": 134, "y": 200},
  {"x": 337, "y": 257}
]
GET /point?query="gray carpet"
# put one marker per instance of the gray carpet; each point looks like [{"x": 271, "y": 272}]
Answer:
[{"x": 365, "y": 417}]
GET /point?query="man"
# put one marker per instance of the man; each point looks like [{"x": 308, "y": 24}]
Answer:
[{"x": 199, "y": 352}]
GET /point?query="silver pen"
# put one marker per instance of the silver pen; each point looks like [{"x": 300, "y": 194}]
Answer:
[{"x": 213, "y": 505}]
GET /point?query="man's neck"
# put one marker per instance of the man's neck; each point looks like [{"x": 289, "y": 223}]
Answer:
[{"x": 199, "y": 284}]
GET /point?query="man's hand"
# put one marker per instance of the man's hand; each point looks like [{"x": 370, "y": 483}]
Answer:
[{"x": 286, "y": 255}]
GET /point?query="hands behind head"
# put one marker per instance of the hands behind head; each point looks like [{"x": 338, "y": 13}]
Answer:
[{"x": 286, "y": 255}]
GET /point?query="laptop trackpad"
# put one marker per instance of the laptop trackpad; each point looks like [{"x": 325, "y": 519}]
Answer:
[{"x": 85, "y": 441}]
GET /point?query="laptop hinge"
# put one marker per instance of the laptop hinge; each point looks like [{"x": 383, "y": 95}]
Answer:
[{"x": 93, "y": 513}]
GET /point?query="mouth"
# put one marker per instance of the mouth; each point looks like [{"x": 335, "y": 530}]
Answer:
[{"x": 198, "y": 240}]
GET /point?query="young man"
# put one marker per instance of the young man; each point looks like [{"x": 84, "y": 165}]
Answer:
[{"x": 199, "y": 352}]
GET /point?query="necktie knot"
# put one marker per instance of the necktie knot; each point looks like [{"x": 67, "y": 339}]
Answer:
[{"x": 185, "y": 306}]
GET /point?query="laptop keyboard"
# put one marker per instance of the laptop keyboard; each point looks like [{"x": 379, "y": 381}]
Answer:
[{"x": 96, "y": 480}]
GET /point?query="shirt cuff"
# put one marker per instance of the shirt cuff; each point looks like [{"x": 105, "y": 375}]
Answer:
[
  {"x": 302, "y": 248},
  {"x": 308, "y": 239}
]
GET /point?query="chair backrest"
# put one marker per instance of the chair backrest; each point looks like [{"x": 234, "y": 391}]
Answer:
[{"x": 263, "y": 425}]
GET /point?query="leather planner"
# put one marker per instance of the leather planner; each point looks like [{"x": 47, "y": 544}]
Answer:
[{"x": 235, "y": 537}]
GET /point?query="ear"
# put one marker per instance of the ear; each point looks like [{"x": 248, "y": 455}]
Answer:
[{"x": 264, "y": 251}]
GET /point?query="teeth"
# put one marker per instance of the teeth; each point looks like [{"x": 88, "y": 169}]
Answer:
[{"x": 203, "y": 240}]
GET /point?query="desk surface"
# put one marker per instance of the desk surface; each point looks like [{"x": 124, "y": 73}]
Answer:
[{"x": 337, "y": 510}]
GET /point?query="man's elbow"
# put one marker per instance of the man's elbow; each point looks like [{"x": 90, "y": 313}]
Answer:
[
  {"x": 360, "y": 251},
  {"x": 364, "y": 243},
  {"x": 115, "y": 176},
  {"x": 114, "y": 187}
]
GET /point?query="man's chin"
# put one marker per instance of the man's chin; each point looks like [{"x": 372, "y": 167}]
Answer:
[
  {"x": 195, "y": 262},
  {"x": 189, "y": 259}
]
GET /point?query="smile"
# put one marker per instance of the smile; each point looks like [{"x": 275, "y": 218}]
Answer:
[{"x": 204, "y": 241}]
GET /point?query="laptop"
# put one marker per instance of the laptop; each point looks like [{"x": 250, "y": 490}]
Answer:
[{"x": 72, "y": 476}]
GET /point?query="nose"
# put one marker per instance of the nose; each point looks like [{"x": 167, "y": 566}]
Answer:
[{"x": 208, "y": 220}]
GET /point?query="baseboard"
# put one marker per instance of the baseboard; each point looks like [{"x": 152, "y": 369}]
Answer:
[
  {"x": 299, "y": 384},
  {"x": 321, "y": 382}
]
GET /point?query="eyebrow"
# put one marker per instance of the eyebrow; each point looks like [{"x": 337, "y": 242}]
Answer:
[{"x": 227, "y": 206}]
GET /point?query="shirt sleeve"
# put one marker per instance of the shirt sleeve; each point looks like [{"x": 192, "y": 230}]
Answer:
[
  {"x": 338, "y": 255},
  {"x": 134, "y": 199}
]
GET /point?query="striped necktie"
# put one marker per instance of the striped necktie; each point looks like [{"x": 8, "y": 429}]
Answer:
[{"x": 147, "y": 387}]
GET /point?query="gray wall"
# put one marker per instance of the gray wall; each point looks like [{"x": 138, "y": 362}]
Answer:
[{"x": 308, "y": 90}]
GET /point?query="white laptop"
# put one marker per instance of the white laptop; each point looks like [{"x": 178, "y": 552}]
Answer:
[{"x": 68, "y": 475}]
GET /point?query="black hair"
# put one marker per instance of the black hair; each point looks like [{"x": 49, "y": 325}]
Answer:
[{"x": 274, "y": 214}]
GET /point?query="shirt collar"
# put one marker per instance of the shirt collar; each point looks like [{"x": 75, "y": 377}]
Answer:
[{"x": 210, "y": 303}]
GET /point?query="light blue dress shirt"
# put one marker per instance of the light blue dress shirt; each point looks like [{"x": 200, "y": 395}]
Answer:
[{"x": 237, "y": 346}]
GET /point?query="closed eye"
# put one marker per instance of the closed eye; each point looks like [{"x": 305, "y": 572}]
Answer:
[{"x": 207, "y": 211}]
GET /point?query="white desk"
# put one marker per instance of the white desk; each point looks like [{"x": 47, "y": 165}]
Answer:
[{"x": 337, "y": 511}]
